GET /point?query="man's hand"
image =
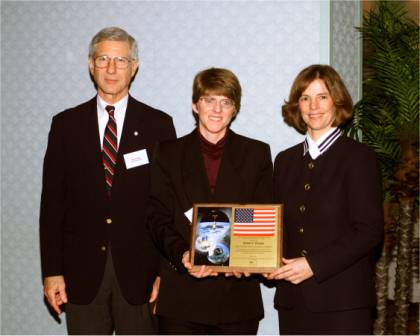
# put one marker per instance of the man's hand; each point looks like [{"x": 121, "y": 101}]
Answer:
[
  {"x": 55, "y": 291},
  {"x": 294, "y": 270},
  {"x": 154, "y": 293},
  {"x": 202, "y": 273}
]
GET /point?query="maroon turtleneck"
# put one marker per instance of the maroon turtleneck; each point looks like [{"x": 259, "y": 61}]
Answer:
[{"x": 212, "y": 155}]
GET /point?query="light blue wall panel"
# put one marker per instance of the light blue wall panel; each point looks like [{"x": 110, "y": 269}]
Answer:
[
  {"x": 346, "y": 45},
  {"x": 44, "y": 70}
]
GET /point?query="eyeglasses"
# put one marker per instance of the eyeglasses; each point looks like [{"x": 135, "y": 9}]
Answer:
[
  {"x": 119, "y": 61},
  {"x": 225, "y": 103}
]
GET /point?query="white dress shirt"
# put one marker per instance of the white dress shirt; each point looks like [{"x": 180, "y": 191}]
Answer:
[{"x": 103, "y": 116}]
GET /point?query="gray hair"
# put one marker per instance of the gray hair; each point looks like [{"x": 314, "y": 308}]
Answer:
[{"x": 114, "y": 34}]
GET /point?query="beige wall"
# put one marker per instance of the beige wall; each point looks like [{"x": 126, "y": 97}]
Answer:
[{"x": 412, "y": 7}]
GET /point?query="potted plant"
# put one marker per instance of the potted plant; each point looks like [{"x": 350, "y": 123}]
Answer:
[{"x": 387, "y": 119}]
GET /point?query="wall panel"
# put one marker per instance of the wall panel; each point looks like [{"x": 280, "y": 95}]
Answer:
[{"x": 44, "y": 70}]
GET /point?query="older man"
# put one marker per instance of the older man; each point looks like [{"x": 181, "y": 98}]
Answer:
[{"x": 96, "y": 256}]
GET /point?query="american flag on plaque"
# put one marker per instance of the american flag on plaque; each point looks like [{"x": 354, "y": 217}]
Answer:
[{"x": 254, "y": 221}]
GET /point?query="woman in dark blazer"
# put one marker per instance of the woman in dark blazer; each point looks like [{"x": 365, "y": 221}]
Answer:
[
  {"x": 210, "y": 165},
  {"x": 331, "y": 190}
]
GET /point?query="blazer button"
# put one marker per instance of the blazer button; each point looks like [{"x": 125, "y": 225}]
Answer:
[
  {"x": 302, "y": 208},
  {"x": 307, "y": 186},
  {"x": 311, "y": 165},
  {"x": 103, "y": 248},
  {"x": 109, "y": 221},
  {"x": 303, "y": 253}
]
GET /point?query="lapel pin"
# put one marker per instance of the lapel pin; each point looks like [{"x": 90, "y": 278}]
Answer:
[{"x": 136, "y": 133}]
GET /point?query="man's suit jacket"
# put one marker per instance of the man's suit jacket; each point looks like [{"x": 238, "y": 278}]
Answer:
[
  {"x": 178, "y": 180},
  {"x": 333, "y": 216},
  {"x": 79, "y": 222}
]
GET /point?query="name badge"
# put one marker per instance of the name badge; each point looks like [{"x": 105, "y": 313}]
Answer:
[{"x": 135, "y": 159}]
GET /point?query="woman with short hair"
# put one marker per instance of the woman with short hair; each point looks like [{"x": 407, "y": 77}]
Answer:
[{"x": 212, "y": 164}]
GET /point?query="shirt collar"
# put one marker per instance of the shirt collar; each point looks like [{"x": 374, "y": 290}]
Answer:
[
  {"x": 120, "y": 106},
  {"x": 321, "y": 145},
  {"x": 213, "y": 150}
]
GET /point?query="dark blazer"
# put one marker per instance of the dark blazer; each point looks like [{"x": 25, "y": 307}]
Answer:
[
  {"x": 333, "y": 215},
  {"x": 74, "y": 232},
  {"x": 178, "y": 180}
]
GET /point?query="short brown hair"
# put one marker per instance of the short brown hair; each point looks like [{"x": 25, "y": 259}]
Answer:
[
  {"x": 114, "y": 34},
  {"x": 217, "y": 81},
  {"x": 336, "y": 88}
]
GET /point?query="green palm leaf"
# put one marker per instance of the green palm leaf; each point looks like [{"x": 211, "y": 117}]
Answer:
[{"x": 389, "y": 109}]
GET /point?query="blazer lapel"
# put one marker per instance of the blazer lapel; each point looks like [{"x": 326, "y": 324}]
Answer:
[
  {"x": 132, "y": 122},
  {"x": 131, "y": 128},
  {"x": 92, "y": 147}
]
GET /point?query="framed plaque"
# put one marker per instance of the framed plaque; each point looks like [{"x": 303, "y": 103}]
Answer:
[{"x": 237, "y": 237}]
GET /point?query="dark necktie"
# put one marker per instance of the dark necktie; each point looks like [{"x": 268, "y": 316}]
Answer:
[{"x": 110, "y": 148}]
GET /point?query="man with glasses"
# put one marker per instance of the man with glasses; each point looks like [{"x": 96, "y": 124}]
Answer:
[{"x": 96, "y": 256}]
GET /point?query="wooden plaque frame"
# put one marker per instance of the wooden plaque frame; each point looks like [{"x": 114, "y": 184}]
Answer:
[{"x": 237, "y": 237}]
